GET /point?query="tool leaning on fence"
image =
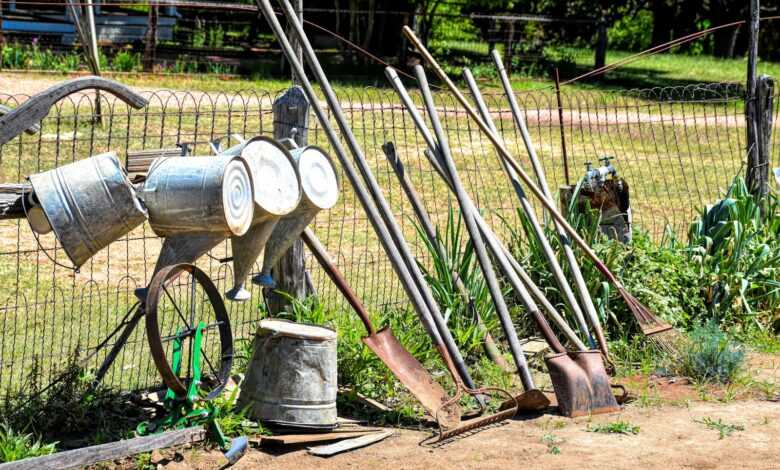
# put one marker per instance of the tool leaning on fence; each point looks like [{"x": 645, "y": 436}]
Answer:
[
  {"x": 659, "y": 332},
  {"x": 380, "y": 217}
]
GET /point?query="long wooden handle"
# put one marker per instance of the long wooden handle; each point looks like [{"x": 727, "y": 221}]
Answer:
[
  {"x": 502, "y": 150},
  {"x": 335, "y": 275}
]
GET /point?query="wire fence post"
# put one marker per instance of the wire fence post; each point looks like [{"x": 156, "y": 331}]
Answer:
[
  {"x": 291, "y": 116},
  {"x": 758, "y": 118}
]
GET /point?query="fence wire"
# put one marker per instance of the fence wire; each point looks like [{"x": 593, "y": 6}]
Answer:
[{"x": 677, "y": 147}]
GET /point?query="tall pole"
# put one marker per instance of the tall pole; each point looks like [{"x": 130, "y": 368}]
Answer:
[
  {"x": 94, "y": 52},
  {"x": 298, "y": 4},
  {"x": 756, "y": 170}
]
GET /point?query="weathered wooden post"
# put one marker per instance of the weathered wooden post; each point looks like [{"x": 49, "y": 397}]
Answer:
[
  {"x": 600, "y": 58},
  {"x": 291, "y": 120},
  {"x": 758, "y": 113},
  {"x": 150, "y": 49}
]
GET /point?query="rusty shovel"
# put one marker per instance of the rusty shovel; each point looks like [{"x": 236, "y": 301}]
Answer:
[
  {"x": 386, "y": 346},
  {"x": 579, "y": 379}
]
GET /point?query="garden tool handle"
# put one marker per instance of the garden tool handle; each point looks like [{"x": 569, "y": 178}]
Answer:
[
  {"x": 32, "y": 111},
  {"x": 335, "y": 275},
  {"x": 547, "y": 332}
]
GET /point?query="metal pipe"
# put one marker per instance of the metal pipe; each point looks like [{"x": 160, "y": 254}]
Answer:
[
  {"x": 419, "y": 295},
  {"x": 502, "y": 311},
  {"x": 525, "y": 204},
  {"x": 518, "y": 278},
  {"x": 579, "y": 280}
]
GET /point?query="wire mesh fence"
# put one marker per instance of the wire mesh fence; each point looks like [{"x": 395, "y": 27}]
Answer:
[{"x": 677, "y": 148}]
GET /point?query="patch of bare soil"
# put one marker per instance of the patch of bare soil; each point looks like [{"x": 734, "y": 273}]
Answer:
[{"x": 669, "y": 437}]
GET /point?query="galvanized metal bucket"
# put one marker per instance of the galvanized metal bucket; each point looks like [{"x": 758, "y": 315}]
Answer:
[
  {"x": 187, "y": 195},
  {"x": 320, "y": 188},
  {"x": 292, "y": 376},
  {"x": 89, "y": 204},
  {"x": 277, "y": 192}
]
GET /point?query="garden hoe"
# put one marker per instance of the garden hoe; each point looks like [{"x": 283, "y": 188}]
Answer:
[
  {"x": 381, "y": 217},
  {"x": 658, "y": 331}
]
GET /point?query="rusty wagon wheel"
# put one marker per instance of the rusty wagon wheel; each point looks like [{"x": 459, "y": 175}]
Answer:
[{"x": 181, "y": 297}]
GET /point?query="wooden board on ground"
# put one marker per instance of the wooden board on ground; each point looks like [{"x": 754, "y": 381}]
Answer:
[
  {"x": 350, "y": 444},
  {"x": 292, "y": 439},
  {"x": 111, "y": 451}
]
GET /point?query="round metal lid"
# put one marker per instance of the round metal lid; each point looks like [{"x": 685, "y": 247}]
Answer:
[
  {"x": 237, "y": 196},
  {"x": 318, "y": 177},
  {"x": 277, "y": 190}
]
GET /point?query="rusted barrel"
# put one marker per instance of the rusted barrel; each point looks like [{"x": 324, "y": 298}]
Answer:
[
  {"x": 291, "y": 378},
  {"x": 199, "y": 194},
  {"x": 89, "y": 204},
  {"x": 276, "y": 193},
  {"x": 320, "y": 189}
]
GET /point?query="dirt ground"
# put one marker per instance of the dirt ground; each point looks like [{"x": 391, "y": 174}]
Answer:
[{"x": 671, "y": 415}]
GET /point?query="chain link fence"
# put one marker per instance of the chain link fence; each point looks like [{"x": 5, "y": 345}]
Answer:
[{"x": 677, "y": 147}]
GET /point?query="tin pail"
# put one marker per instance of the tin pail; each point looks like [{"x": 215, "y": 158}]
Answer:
[
  {"x": 291, "y": 378},
  {"x": 89, "y": 204},
  {"x": 320, "y": 189},
  {"x": 277, "y": 192},
  {"x": 188, "y": 195}
]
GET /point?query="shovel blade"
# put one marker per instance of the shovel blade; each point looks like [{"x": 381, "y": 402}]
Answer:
[
  {"x": 414, "y": 377},
  {"x": 581, "y": 383}
]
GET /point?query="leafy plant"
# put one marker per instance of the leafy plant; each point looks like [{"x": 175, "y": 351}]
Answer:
[
  {"x": 736, "y": 245},
  {"x": 615, "y": 427},
  {"x": 552, "y": 441},
  {"x": 126, "y": 61},
  {"x": 724, "y": 429},
  {"x": 711, "y": 355},
  {"x": 17, "y": 445}
]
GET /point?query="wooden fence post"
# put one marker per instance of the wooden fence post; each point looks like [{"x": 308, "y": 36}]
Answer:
[
  {"x": 600, "y": 53},
  {"x": 151, "y": 38},
  {"x": 291, "y": 120},
  {"x": 758, "y": 113}
]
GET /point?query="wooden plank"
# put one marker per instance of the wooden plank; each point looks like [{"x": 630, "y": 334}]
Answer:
[
  {"x": 349, "y": 444},
  {"x": 111, "y": 451},
  {"x": 292, "y": 439}
]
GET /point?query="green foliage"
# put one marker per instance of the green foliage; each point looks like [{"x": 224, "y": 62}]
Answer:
[
  {"x": 632, "y": 32},
  {"x": 711, "y": 355},
  {"x": 736, "y": 246},
  {"x": 17, "y": 445},
  {"x": 552, "y": 442},
  {"x": 232, "y": 421},
  {"x": 71, "y": 408},
  {"x": 724, "y": 429},
  {"x": 30, "y": 56},
  {"x": 126, "y": 61},
  {"x": 615, "y": 427}
]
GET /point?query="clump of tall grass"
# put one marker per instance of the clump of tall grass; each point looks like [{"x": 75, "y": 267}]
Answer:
[{"x": 711, "y": 355}]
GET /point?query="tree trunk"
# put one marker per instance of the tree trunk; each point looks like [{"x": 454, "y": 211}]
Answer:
[
  {"x": 151, "y": 39},
  {"x": 662, "y": 27}
]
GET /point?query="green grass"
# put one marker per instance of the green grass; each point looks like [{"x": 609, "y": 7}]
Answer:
[
  {"x": 15, "y": 445},
  {"x": 615, "y": 427},
  {"x": 724, "y": 429}
]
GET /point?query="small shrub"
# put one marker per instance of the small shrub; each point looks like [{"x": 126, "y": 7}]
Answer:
[
  {"x": 17, "y": 445},
  {"x": 616, "y": 427},
  {"x": 724, "y": 429},
  {"x": 711, "y": 355},
  {"x": 126, "y": 61}
]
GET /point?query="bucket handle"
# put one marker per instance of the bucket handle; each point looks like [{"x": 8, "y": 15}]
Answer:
[{"x": 73, "y": 268}]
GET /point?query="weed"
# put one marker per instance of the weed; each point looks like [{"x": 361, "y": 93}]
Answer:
[
  {"x": 126, "y": 61},
  {"x": 615, "y": 427},
  {"x": 711, "y": 355},
  {"x": 17, "y": 445},
  {"x": 144, "y": 461},
  {"x": 724, "y": 429},
  {"x": 552, "y": 442}
]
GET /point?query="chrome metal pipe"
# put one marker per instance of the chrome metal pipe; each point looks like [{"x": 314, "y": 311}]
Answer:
[
  {"x": 528, "y": 209},
  {"x": 579, "y": 280},
  {"x": 405, "y": 267},
  {"x": 488, "y": 272}
]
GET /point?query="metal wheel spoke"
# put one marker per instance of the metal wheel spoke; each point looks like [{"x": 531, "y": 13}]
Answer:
[
  {"x": 211, "y": 366},
  {"x": 176, "y": 307}
]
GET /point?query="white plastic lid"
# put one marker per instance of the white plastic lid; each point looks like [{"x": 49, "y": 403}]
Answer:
[
  {"x": 318, "y": 177},
  {"x": 276, "y": 184},
  {"x": 297, "y": 330}
]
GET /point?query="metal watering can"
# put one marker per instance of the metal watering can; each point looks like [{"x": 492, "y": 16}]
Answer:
[
  {"x": 320, "y": 188},
  {"x": 277, "y": 192},
  {"x": 187, "y": 195},
  {"x": 88, "y": 204}
]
